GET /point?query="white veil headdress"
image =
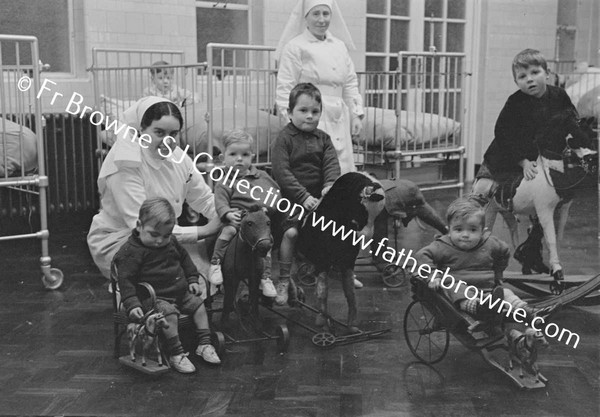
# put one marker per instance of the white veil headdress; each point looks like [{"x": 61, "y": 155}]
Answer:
[
  {"x": 296, "y": 24},
  {"x": 125, "y": 151}
]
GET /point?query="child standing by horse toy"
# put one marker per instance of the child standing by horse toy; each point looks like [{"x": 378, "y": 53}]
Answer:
[
  {"x": 153, "y": 255},
  {"x": 521, "y": 166}
]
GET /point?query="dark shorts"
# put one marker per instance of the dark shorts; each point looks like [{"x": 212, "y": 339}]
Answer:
[{"x": 188, "y": 303}]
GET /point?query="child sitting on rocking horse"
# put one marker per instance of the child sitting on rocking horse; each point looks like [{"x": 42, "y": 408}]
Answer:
[
  {"x": 476, "y": 258},
  {"x": 522, "y": 120},
  {"x": 230, "y": 201},
  {"x": 153, "y": 255}
]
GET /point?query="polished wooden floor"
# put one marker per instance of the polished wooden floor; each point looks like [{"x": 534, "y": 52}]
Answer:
[{"x": 56, "y": 350}]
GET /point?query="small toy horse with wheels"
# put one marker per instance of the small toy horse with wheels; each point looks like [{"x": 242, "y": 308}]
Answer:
[
  {"x": 146, "y": 335},
  {"x": 349, "y": 208},
  {"x": 523, "y": 348}
]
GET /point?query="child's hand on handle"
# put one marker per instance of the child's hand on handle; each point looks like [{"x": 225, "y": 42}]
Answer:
[
  {"x": 435, "y": 283},
  {"x": 310, "y": 203},
  {"x": 234, "y": 217},
  {"x": 195, "y": 289},
  {"x": 529, "y": 169},
  {"x": 136, "y": 314},
  {"x": 325, "y": 190}
]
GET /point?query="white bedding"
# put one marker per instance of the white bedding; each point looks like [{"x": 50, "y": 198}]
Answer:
[
  {"x": 417, "y": 130},
  {"x": 19, "y": 145},
  {"x": 584, "y": 92}
]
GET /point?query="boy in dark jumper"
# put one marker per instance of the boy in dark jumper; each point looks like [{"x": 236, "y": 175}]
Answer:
[
  {"x": 523, "y": 119},
  {"x": 153, "y": 255}
]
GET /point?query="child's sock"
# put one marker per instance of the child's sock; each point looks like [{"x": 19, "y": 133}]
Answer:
[
  {"x": 284, "y": 282},
  {"x": 219, "y": 251},
  {"x": 203, "y": 336},
  {"x": 173, "y": 345}
]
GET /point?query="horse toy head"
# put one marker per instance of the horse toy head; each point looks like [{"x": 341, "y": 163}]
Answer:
[
  {"x": 255, "y": 230},
  {"x": 570, "y": 139},
  {"x": 354, "y": 198}
]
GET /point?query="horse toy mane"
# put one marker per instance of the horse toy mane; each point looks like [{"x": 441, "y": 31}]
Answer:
[
  {"x": 342, "y": 203},
  {"x": 343, "y": 206}
]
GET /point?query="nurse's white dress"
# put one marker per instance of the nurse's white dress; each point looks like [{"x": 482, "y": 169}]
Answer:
[
  {"x": 326, "y": 64},
  {"x": 123, "y": 191}
]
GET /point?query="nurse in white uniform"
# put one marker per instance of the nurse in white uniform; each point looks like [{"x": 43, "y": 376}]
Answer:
[
  {"x": 309, "y": 52},
  {"x": 135, "y": 170}
]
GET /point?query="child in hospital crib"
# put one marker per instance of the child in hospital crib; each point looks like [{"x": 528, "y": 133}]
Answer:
[
  {"x": 163, "y": 86},
  {"x": 475, "y": 257}
]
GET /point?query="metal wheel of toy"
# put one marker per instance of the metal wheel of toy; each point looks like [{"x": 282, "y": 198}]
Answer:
[
  {"x": 54, "y": 279},
  {"x": 556, "y": 287},
  {"x": 393, "y": 276},
  {"x": 427, "y": 339},
  {"x": 283, "y": 337},
  {"x": 306, "y": 274},
  {"x": 218, "y": 342},
  {"x": 323, "y": 340}
]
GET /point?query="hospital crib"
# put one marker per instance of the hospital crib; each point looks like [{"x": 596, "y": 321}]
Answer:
[
  {"x": 22, "y": 163},
  {"x": 413, "y": 114}
]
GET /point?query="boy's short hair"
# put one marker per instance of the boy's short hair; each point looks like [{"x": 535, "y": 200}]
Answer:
[
  {"x": 304, "y": 88},
  {"x": 158, "y": 211},
  {"x": 462, "y": 208},
  {"x": 237, "y": 136},
  {"x": 156, "y": 68},
  {"x": 526, "y": 58}
]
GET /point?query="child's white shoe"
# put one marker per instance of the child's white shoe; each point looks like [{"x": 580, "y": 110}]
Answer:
[
  {"x": 208, "y": 353},
  {"x": 182, "y": 364},
  {"x": 268, "y": 289},
  {"x": 215, "y": 276}
]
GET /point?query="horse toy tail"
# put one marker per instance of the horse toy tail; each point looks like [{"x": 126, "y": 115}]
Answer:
[
  {"x": 145, "y": 333},
  {"x": 529, "y": 253}
]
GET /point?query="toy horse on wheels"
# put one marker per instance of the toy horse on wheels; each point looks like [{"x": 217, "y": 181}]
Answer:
[
  {"x": 567, "y": 158},
  {"x": 330, "y": 239},
  {"x": 244, "y": 262}
]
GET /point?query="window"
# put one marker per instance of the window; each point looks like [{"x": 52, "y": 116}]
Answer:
[
  {"x": 444, "y": 28},
  {"x": 412, "y": 25},
  {"x": 50, "y": 21},
  {"x": 222, "y": 22},
  {"x": 388, "y": 25}
]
